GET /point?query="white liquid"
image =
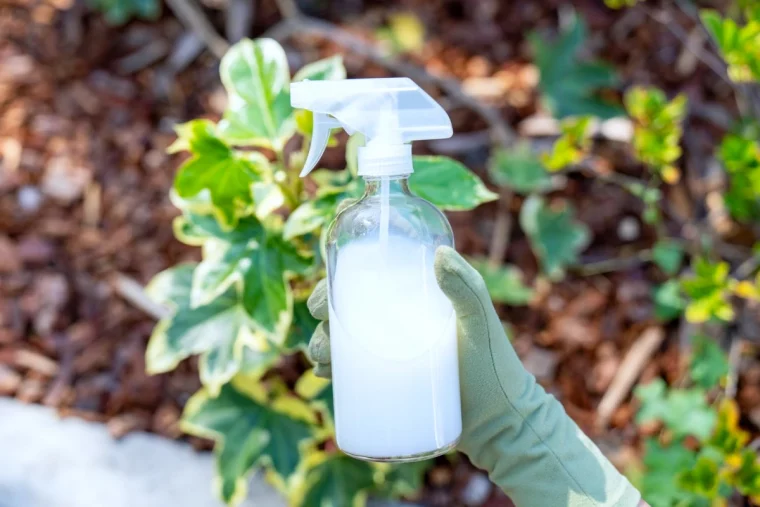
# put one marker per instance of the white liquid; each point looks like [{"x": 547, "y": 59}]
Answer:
[{"x": 394, "y": 351}]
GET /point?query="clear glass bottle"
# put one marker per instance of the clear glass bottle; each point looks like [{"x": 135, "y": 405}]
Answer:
[{"x": 392, "y": 330}]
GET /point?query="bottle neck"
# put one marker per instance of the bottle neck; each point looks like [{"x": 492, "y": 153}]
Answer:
[
  {"x": 396, "y": 185},
  {"x": 376, "y": 160}
]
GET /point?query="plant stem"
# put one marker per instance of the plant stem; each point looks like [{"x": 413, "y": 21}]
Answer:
[
  {"x": 295, "y": 23},
  {"x": 193, "y": 17},
  {"x": 502, "y": 229},
  {"x": 614, "y": 264},
  {"x": 734, "y": 356},
  {"x": 291, "y": 197}
]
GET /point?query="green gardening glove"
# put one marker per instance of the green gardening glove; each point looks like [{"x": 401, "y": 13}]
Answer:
[{"x": 510, "y": 426}]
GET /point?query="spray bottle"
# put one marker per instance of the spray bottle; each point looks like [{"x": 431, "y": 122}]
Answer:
[{"x": 392, "y": 330}]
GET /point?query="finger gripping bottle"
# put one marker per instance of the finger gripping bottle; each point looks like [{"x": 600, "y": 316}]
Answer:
[{"x": 392, "y": 331}]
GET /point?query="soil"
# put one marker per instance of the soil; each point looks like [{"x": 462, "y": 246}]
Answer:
[{"x": 86, "y": 115}]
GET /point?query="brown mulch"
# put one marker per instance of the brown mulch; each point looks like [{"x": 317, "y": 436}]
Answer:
[{"x": 86, "y": 114}]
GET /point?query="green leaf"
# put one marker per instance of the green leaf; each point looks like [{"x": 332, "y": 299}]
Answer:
[
  {"x": 319, "y": 392},
  {"x": 657, "y": 129},
  {"x": 728, "y": 437},
  {"x": 652, "y": 397},
  {"x": 569, "y": 86},
  {"x": 302, "y": 328},
  {"x": 448, "y": 184},
  {"x": 226, "y": 174},
  {"x": 406, "y": 32},
  {"x": 690, "y": 414},
  {"x": 702, "y": 478},
  {"x": 619, "y": 4},
  {"x": 504, "y": 282},
  {"x": 267, "y": 198},
  {"x": 266, "y": 293},
  {"x": 660, "y": 486},
  {"x": 740, "y": 154},
  {"x": 334, "y": 479},
  {"x": 739, "y": 44},
  {"x": 355, "y": 142},
  {"x": 118, "y": 12},
  {"x": 327, "y": 69},
  {"x": 572, "y": 146},
  {"x": 171, "y": 286},
  {"x": 248, "y": 432},
  {"x": 257, "y": 79},
  {"x": 668, "y": 256},
  {"x": 219, "y": 331},
  {"x": 683, "y": 411},
  {"x": 554, "y": 234},
  {"x": 256, "y": 262},
  {"x": 406, "y": 479},
  {"x": 311, "y": 215},
  {"x": 709, "y": 292},
  {"x": 746, "y": 476},
  {"x": 709, "y": 364},
  {"x": 195, "y": 229},
  {"x": 519, "y": 169},
  {"x": 668, "y": 302}
]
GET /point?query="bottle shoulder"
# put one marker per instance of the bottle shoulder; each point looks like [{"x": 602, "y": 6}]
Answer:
[{"x": 409, "y": 216}]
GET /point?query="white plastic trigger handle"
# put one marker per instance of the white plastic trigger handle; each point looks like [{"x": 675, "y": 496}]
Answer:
[{"x": 320, "y": 135}]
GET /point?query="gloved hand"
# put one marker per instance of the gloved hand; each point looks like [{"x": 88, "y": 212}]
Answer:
[{"x": 510, "y": 426}]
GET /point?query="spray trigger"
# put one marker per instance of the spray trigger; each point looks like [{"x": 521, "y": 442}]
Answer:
[{"x": 320, "y": 135}]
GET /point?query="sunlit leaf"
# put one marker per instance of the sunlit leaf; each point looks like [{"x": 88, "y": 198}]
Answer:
[
  {"x": 619, "y": 4},
  {"x": 267, "y": 197},
  {"x": 318, "y": 391},
  {"x": 657, "y": 129},
  {"x": 555, "y": 236},
  {"x": 327, "y": 69},
  {"x": 572, "y": 146},
  {"x": 448, "y": 184},
  {"x": 407, "y": 30},
  {"x": 728, "y": 436},
  {"x": 739, "y": 44},
  {"x": 226, "y": 174},
  {"x": 708, "y": 290},
  {"x": 257, "y": 79}
]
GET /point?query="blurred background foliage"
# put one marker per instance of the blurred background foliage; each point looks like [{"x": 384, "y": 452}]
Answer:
[{"x": 607, "y": 168}]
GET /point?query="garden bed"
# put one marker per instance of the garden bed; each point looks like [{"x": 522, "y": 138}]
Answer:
[{"x": 87, "y": 112}]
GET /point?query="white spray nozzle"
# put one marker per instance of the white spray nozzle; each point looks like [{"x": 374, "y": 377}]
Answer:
[
  {"x": 390, "y": 112},
  {"x": 320, "y": 136}
]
